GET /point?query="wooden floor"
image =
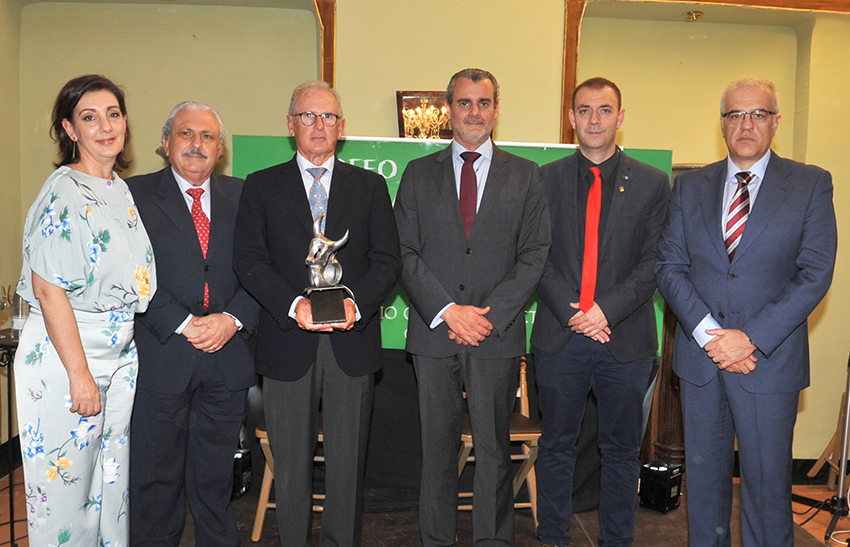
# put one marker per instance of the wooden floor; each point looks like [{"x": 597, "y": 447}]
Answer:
[
  {"x": 20, "y": 510},
  {"x": 816, "y": 526}
]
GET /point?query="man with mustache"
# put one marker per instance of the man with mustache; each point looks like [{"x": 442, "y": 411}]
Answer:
[
  {"x": 474, "y": 230},
  {"x": 195, "y": 364}
]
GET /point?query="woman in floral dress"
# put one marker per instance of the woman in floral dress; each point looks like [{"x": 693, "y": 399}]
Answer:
[{"x": 87, "y": 268}]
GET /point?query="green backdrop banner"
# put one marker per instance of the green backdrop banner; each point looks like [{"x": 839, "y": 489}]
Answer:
[{"x": 389, "y": 157}]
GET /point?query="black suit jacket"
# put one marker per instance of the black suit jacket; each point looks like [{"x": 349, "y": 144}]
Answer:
[
  {"x": 274, "y": 227},
  {"x": 498, "y": 266},
  {"x": 625, "y": 279},
  {"x": 167, "y": 359}
]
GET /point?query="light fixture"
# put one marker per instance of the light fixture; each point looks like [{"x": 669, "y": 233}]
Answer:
[{"x": 692, "y": 16}]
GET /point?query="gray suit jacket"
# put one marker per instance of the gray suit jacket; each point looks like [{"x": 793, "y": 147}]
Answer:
[
  {"x": 625, "y": 279},
  {"x": 499, "y": 266},
  {"x": 782, "y": 269}
]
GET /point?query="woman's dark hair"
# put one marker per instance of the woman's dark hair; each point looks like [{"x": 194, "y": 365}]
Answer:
[{"x": 64, "y": 107}]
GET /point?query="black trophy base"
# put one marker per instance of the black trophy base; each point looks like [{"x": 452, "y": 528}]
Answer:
[{"x": 327, "y": 305}]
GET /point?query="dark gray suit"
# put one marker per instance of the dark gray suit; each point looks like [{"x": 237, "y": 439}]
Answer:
[
  {"x": 498, "y": 267},
  {"x": 781, "y": 270},
  {"x": 189, "y": 404},
  {"x": 569, "y": 365}
]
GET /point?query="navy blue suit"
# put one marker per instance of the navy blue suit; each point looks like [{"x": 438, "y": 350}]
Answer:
[
  {"x": 781, "y": 270},
  {"x": 274, "y": 228},
  {"x": 189, "y": 404},
  {"x": 569, "y": 365}
]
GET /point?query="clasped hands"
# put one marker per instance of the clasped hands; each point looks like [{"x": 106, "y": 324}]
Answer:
[
  {"x": 304, "y": 317},
  {"x": 211, "y": 332},
  {"x": 467, "y": 324},
  {"x": 731, "y": 350},
  {"x": 592, "y": 323}
]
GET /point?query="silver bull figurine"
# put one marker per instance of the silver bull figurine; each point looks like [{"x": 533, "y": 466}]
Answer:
[{"x": 325, "y": 269}]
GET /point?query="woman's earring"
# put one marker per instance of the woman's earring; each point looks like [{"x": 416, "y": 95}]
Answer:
[{"x": 74, "y": 153}]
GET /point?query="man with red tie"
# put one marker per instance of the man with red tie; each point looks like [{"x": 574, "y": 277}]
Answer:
[
  {"x": 474, "y": 232},
  {"x": 746, "y": 255},
  {"x": 595, "y": 327},
  {"x": 195, "y": 363}
]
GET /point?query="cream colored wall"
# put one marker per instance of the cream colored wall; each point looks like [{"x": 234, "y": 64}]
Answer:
[
  {"x": 10, "y": 149},
  {"x": 829, "y": 118},
  {"x": 384, "y": 47},
  {"x": 672, "y": 75},
  {"x": 243, "y": 61}
]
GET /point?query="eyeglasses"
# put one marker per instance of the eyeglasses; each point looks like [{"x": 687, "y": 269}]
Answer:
[
  {"x": 309, "y": 118},
  {"x": 757, "y": 116}
]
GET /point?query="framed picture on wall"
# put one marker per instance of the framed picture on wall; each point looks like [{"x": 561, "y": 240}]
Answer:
[{"x": 423, "y": 115}]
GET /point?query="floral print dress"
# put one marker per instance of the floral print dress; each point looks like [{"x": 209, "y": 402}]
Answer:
[{"x": 83, "y": 234}]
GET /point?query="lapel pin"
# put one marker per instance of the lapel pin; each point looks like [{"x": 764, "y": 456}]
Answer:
[{"x": 622, "y": 189}]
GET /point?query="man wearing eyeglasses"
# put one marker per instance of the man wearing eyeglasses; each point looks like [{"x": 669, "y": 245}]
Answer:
[
  {"x": 746, "y": 255},
  {"x": 304, "y": 363},
  {"x": 595, "y": 327}
]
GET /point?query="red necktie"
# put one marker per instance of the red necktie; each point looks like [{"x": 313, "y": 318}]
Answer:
[
  {"x": 202, "y": 225},
  {"x": 591, "y": 242},
  {"x": 738, "y": 213},
  {"x": 468, "y": 190}
]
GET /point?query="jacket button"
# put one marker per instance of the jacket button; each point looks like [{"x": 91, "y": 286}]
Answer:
[
  {"x": 206, "y": 267},
  {"x": 721, "y": 315},
  {"x": 730, "y": 276},
  {"x": 461, "y": 287},
  {"x": 469, "y": 251}
]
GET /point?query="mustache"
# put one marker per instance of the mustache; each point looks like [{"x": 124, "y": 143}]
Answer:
[{"x": 195, "y": 152}]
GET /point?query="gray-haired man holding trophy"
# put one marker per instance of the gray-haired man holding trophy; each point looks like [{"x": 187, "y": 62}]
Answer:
[{"x": 303, "y": 361}]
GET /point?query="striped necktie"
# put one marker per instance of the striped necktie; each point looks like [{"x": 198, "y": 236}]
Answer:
[{"x": 738, "y": 213}]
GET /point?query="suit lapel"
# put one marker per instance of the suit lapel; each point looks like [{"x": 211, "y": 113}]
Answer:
[
  {"x": 773, "y": 192},
  {"x": 496, "y": 179},
  {"x": 622, "y": 184},
  {"x": 173, "y": 204},
  {"x": 220, "y": 214},
  {"x": 294, "y": 197},
  {"x": 447, "y": 187},
  {"x": 342, "y": 193},
  {"x": 570, "y": 205},
  {"x": 711, "y": 203}
]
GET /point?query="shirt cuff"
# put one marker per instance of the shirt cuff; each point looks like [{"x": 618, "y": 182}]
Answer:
[
  {"x": 292, "y": 307},
  {"x": 708, "y": 322},
  {"x": 439, "y": 318},
  {"x": 179, "y": 330},
  {"x": 235, "y": 320}
]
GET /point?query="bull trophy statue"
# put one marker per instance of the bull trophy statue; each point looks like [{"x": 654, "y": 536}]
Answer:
[{"x": 325, "y": 293}]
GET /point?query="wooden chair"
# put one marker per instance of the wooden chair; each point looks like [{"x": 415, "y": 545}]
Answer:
[
  {"x": 523, "y": 430},
  {"x": 832, "y": 453},
  {"x": 268, "y": 477}
]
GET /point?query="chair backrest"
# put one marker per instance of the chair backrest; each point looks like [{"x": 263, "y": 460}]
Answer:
[{"x": 522, "y": 388}]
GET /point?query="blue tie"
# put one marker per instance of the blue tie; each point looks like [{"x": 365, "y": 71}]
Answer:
[{"x": 318, "y": 196}]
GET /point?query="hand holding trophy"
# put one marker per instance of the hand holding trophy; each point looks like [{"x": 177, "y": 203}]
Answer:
[{"x": 325, "y": 293}]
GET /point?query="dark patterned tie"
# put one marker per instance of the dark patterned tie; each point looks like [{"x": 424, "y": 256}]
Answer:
[
  {"x": 468, "y": 190},
  {"x": 738, "y": 213},
  {"x": 202, "y": 225},
  {"x": 591, "y": 242}
]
